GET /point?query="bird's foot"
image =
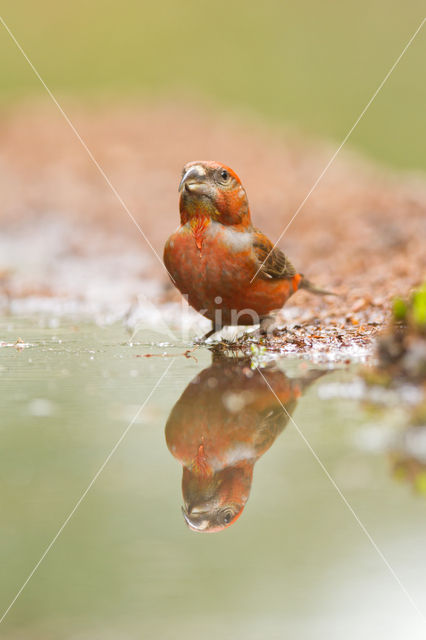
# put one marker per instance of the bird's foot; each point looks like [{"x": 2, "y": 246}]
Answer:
[
  {"x": 207, "y": 335},
  {"x": 267, "y": 326}
]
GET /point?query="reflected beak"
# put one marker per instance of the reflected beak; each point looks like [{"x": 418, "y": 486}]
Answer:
[
  {"x": 193, "y": 180},
  {"x": 197, "y": 522}
]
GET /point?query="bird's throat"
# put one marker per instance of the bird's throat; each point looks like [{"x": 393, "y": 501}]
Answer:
[
  {"x": 199, "y": 225},
  {"x": 200, "y": 464}
]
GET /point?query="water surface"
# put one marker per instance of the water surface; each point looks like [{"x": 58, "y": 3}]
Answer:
[{"x": 296, "y": 563}]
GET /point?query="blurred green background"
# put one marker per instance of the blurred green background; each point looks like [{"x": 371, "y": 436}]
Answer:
[{"x": 310, "y": 65}]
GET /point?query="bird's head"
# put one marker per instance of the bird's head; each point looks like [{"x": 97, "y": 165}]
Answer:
[
  {"x": 214, "y": 502},
  {"x": 212, "y": 189}
]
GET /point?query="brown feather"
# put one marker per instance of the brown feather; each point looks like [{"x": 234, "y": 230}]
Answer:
[
  {"x": 312, "y": 288},
  {"x": 275, "y": 263}
]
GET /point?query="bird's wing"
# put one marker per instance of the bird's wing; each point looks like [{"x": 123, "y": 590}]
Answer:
[{"x": 275, "y": 263}]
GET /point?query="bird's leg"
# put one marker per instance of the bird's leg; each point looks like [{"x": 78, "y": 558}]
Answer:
[
  {"x": 266, "y": 324},
  {"x": 215, "y": 328}
]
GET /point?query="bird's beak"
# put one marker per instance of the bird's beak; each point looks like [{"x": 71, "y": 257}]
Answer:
[
  {"x": 194, "y": 180},
  {"x": 196, "y": 522}
]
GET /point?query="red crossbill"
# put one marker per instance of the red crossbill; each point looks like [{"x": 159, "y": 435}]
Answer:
[
  {"x": 229, "y": 270},
  {"x": 224, "y": 421}
]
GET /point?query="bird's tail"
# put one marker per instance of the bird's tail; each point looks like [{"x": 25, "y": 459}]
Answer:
[{"x": 309, "y": 286}]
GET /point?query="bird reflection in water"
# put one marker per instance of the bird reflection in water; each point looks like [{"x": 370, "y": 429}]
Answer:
[{"x": 224, "y": 421}]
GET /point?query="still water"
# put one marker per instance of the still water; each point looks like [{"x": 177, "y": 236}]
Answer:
[{"x": 240, "y": 454}]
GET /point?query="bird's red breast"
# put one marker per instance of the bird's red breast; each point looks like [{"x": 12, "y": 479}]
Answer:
[{"x": 215, "y": 255}]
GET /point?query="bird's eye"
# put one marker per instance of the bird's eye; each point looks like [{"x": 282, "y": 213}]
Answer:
[
  {"x": 224, "y": 174},
  {"x": 227, "y": 517}
]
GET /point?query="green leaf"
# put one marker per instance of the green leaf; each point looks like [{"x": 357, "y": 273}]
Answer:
[
  {"x": 420, "y": 482},
  {"x": 419, "y": 307},
  {"x": 399, "y": 309}
]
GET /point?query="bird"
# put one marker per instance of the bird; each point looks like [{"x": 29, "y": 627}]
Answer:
[
  {"x": 228, "y": 416},
  {"x": 226, "y": 268}
]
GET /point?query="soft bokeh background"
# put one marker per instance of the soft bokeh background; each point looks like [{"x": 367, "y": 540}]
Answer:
[
  {"x": 310, "y": 65},
  {"x": 271, "y": 88}
]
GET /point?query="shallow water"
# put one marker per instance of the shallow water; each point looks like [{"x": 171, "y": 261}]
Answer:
[{"x": 296, "y": 563}]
